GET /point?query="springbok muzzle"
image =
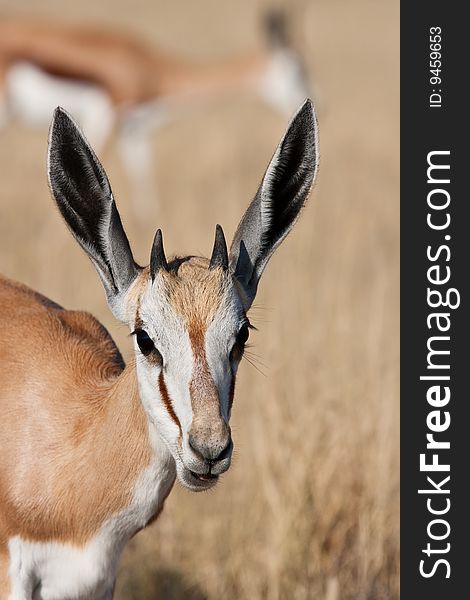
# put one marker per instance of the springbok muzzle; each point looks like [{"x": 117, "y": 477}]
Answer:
[{"x": 211, "y": 442}]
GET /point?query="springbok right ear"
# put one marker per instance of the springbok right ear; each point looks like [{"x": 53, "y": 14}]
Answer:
[
  {"x": 82, "y": 192},
  {"x": 277, "y": 204}
]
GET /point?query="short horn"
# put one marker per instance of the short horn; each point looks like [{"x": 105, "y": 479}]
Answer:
[
  {"x": 157, "y": 257},
  {"x": 219, "y": 256}
]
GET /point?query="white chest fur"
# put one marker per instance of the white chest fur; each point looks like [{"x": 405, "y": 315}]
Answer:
[{"x": 57, "y": 571}]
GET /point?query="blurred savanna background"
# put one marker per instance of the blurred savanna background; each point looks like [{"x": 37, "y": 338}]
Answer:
[{"x": 309, "y": 509}]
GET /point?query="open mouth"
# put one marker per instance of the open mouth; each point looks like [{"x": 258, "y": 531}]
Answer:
[
  {"x": 196, "y": 481},
  {"x": 204, "y": 477}
]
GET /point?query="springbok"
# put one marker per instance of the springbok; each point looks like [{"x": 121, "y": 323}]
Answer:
[
  {"x": 108, "y": 79},
  {"x": 90, "y": 448}
]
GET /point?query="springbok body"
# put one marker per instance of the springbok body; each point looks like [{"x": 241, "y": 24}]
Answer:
[
  {"x": 91, "y": 448},
  {"x": 107, "y": 79}
]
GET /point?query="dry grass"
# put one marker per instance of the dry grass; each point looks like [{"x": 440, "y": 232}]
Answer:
[{"x": 310, "y": 508}]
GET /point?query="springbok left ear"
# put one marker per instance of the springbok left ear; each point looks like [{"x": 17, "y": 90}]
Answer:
[
  {"x": 277, "y": 204},
  {"x": 82, "y": 192}
]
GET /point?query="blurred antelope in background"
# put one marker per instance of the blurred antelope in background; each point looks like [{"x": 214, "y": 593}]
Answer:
[
  {"x": 109, "y": 79},
  {"x": 90, "y": 448}
]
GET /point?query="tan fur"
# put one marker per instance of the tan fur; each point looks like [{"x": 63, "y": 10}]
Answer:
[
  {"x": 208, "y": 422},
  {"x": 5, "y": 587},
  {"x": 128, "y": 70},
  {"x": 91, "y": 408},
  {"x": 91, "y": 411},
  {"x": 195, "y": 293},
  {"x": 83, "y": 437}
]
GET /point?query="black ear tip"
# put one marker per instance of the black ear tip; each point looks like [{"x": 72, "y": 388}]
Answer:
[
  {"x": 306, "y": 112},
  {"x": 60, "y": 116},
  {"x": 62, "y": 121},
  {"x": 304, "y": 126}
]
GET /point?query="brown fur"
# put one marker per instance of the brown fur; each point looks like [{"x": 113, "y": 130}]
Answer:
[
  {"x": 166, "y": 400},
  {"x": 207, "y": 419},
  {"x": 83, "y": 439},
  {"x": 128, "y": 70},
  {"x": 5, "y": 587},
  {"x": 74, "y": 436},
  {"x": 195, "y": 293}
]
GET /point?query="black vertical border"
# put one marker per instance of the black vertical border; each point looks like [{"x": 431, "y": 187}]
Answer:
[{"x": 424, "y": 129}]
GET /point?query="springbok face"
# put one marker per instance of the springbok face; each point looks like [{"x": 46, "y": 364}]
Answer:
[
  {"x": 190, "y": 332},
  {"x": 188, "y": 316}
]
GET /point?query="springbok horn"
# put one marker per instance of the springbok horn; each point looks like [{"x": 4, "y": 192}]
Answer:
[
  {"x": 157, "y": 256},
  {"x": 219, "y": 256}
]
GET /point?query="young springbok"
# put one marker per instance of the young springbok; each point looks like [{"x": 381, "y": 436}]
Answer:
[
  {"x": 109, "y": 80},
  {"x": 90, "y": 448}
]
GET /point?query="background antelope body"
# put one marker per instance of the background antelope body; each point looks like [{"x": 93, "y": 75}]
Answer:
[
  {"x": 90, "y": 447},
  {"x": 109, "y": 80}
]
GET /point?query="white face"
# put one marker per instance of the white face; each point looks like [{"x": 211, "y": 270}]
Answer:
[
  {"x": 188, "y": 317},
  {"x": 190, "y": 329}
]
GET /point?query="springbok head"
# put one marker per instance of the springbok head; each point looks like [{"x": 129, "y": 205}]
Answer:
[{"x": 188, "y": 315}]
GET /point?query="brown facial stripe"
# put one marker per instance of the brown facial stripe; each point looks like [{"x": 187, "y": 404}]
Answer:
[
  {"x": 166, "y": 400},
  {"x": 161, "y": 380}
]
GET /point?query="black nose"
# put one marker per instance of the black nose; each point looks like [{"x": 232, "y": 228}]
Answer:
[{"x": 211, "y": 450}]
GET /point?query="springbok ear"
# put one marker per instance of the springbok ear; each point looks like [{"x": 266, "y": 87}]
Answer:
[
  {"x": 278, "y": 202},
  {"x": 82, "y": 192}
]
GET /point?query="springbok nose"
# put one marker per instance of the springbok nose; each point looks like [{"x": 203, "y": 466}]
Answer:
[{"x": 212, "y": 448}]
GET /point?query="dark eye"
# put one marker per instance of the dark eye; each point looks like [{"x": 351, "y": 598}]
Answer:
[
  {"x": 144, "y": 342},
  {"x": 242, "y": 336}
]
